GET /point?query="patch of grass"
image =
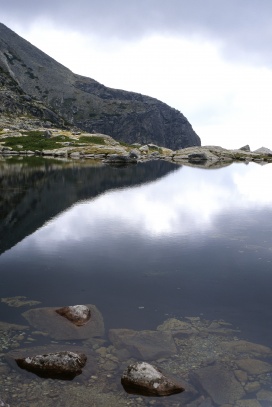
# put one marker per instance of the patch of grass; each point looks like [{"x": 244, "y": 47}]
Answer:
[
  {"x": 34, "y": 140},
  {"x": 92, "y": 140}
]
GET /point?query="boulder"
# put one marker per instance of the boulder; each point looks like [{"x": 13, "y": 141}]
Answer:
[
  {"x": 48, "y": 320},
  {"x": 145, "y": 379},
  {"x": 245, "y": 148},
  {"x": 61, "y": 365},
  {"x": 264, "y": 151},
  {"x": 148, "y": 345},
  {"x": 79, "y": 315}
]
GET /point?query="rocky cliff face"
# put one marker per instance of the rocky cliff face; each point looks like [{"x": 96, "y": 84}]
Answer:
[{"x": 57, "y": 93}]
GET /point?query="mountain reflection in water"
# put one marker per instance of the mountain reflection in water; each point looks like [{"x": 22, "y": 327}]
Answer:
[{"x": 187, "y": 242}]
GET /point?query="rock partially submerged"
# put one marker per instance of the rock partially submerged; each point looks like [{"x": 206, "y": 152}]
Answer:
[
  {"x": 79, "y": 315},
  {"x": 48, "y": 320},
  {"x": 143, "y": 378},
  {"x": 61, "y": 365}
]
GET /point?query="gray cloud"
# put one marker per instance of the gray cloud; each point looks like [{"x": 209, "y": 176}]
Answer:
[{"x": 243, "y": 27}]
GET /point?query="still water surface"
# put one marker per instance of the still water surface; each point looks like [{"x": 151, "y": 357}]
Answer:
[{"x": 142, "y": 243}]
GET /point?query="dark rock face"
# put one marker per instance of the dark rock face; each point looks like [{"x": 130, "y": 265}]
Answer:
[
  {"x": 61, "y": 365},
  {"x": 83, "y": 102},
  {"x": 143, "y": 378}
]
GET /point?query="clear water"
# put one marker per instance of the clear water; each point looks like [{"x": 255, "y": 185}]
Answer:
[{"x": 142, "y": 243}]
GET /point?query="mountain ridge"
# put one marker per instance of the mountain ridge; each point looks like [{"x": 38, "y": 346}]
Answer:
[{"x": 85, "y": 103}]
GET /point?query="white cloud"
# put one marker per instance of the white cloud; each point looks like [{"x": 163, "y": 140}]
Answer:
[{"x": 187, "y": 202}]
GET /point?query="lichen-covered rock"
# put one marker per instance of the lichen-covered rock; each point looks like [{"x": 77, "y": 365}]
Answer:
[
  {"x": 62, "y": 365},
  {"x": 79, "y": 315},
  {"x": 143, "y": 378}
]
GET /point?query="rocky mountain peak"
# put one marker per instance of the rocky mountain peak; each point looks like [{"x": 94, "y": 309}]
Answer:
[{"x": 83, "y": 102}]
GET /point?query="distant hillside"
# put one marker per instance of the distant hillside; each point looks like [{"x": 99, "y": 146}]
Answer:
[{"x": 33, "y": 83}]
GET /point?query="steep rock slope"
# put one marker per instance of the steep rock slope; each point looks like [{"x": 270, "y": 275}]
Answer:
[{"x": 85, "y": 103}]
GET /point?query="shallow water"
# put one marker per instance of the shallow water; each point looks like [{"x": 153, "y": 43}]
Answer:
[{"x": 143, "y": 243}]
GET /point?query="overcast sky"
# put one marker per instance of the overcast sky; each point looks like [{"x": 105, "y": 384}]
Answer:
[{"x": 210, "y": 59}]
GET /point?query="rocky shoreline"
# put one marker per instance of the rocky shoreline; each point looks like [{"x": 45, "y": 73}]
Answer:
[
  {"x": 206, "y": 362},
  {"x": 45, "y": 141}
]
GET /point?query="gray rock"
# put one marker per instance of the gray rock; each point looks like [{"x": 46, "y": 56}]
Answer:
[
  {"x": 47, "y": 320},
  {"x": 148, "y": 345},
  {"x": 145, "y": 379},
  {"x": 47, "y": 134},
  {"x": 245, "y": 148},
  {"x": 63, "y": 365},
  {"x": 263, "y": 150},
  {"x": 3, "y": 404},
  {"x": 197, "y": 157}
]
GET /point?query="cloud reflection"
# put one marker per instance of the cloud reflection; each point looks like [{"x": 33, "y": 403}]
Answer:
[{"x": 186, "y": 202}]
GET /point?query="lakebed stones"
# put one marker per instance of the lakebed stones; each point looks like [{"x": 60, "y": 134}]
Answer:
[
  {"x": 220, "y": 384},
  {"x": 62, "y": 365},
  {"x": 48, "y": 320},
  {"x": 79, "y": 315},
  {"x": 148, "y": 345},
  {"x": 143, "y": 378}
]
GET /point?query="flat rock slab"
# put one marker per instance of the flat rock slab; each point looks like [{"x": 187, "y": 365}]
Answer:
[
  {"x": 220, "y": 384},
  {"x": 245, "y": 347},
  {"x": 254, "y": 366},
  {"x": 147, "y": 345},
  {"x": 47, "y": 320},
  {"x": 145, "y": 379}
]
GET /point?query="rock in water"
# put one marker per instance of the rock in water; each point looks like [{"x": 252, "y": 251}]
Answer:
[
  {"x": 145, "y": 379},
  {"x": 60, "y": 365},
  {"x": 78, "y": 314}
]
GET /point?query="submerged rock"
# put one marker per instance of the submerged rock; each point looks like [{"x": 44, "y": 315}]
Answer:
[
  {"x": 62, "y": 365},
  {"x": 121, "y": 159},
  {"x": 143, "y": 378},
  {"x": 79, "y": 315},
  {"x": 147, "y": 345},
  {"x": 48, "y": 320}
]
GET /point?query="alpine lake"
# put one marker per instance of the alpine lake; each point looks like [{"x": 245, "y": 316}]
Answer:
[{"x": 157, "y": 248}]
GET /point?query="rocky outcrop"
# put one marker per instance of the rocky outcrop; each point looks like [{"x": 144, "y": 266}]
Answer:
[
  {"x": 87, "y": 104},
  {"x": 143, "y": 378},
  {"x": 61, "y": 365}
]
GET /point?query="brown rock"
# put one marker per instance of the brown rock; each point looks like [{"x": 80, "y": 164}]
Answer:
[
  {"x": 62, "y": 365},
  {"x": 254, "y": 366},
  {"x": 145, "y": 379},
  {"x": 79, "y": 315},
  {"x": 245, "y": 347}
]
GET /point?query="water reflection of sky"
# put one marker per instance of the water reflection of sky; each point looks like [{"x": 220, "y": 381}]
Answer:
[{"x": 185, "y": 202}]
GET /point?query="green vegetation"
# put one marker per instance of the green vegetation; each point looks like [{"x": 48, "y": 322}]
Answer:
[
  {"x": 92, "y": 140},
  {"x": 34, "y": 140}
]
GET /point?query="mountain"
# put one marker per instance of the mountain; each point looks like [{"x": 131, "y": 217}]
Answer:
[
  {"x": 49, "y": 188},
  {"x": 33, "y": 83}
]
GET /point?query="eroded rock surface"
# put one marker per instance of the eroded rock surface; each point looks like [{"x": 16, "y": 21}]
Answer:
[
  {"x": 79, "y": 315},
  {"x": 63, "y": 365},
  {"x": 143, "y": 378}
]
